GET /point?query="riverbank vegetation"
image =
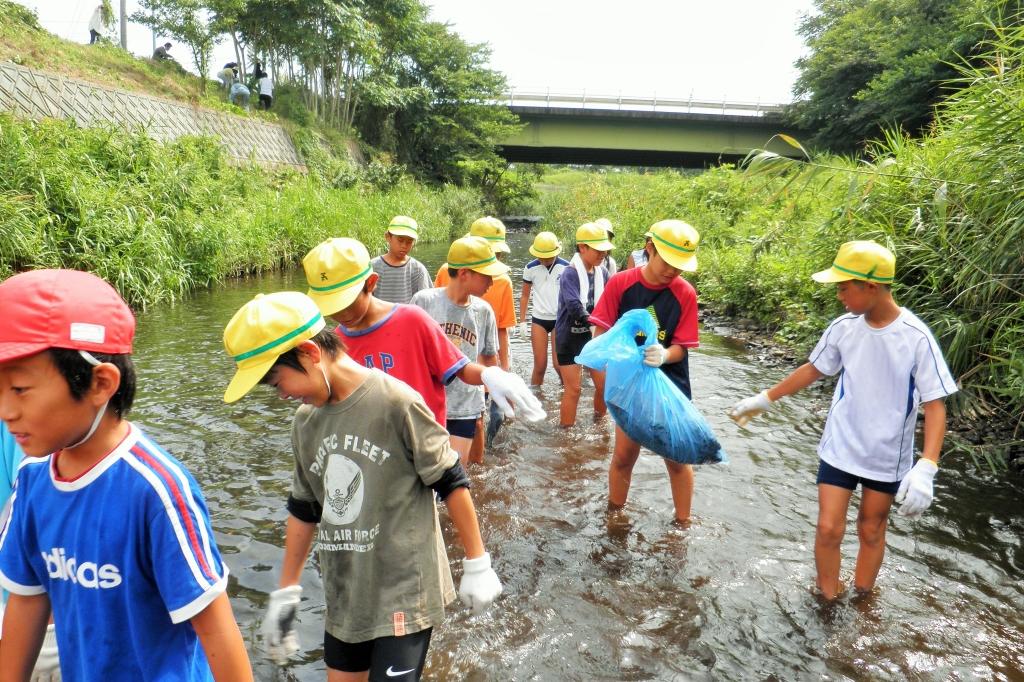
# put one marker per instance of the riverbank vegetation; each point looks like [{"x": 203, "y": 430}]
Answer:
[
  {"x": 160, "y": 220},
  {"x": 948, "y": 203}
]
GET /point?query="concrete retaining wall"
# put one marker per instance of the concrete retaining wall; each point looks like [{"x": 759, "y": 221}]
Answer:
[{"x": 36, "y": 95}]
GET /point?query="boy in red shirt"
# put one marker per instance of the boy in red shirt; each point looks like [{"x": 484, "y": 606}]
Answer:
[{"x": 672, "y": 302}]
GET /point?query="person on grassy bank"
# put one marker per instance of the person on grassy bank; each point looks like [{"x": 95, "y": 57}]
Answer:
[
  {"x": 400, "y": 275},
  {"x": 106, "y": 529},
  {"x": 540, "y": 286},
  {"x": 888, "y": 364},
  {"x": 672, "y": 302},
  {"x": 369, "y": 458},
  {"x": 579, "y": 287}
]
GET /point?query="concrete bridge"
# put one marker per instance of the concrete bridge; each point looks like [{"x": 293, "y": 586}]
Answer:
[{"x": 640, "y": 131}]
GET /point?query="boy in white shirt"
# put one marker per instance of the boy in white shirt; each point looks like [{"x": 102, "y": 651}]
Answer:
[
  {"x": 540, "y": 285},
  {"x": 888, "y": 363}
]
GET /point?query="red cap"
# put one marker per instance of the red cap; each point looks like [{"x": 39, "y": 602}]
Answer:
[{"x": 44, "y": 309}]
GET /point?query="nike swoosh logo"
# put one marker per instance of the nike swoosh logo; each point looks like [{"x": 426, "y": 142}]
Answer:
[{"x": 398, "y": 673}]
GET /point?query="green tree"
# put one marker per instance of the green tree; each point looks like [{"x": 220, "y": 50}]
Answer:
[
  {"x": 877, "y": 64},
  {"x": 189, "y": 22}
]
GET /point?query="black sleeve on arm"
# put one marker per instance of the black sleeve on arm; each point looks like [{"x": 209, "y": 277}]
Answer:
[
  {"x": 304, "y": 510},
  {"x": 450, "y": 480}
]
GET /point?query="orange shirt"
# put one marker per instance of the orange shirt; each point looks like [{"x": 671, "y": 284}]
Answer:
[{"x": 499, "y": 296}]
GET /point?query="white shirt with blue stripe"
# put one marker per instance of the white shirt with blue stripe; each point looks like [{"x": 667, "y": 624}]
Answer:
[
  {"x": 884, "y": 375},
  {"x": 127, "y": 556},
  {"x": 544, "y": 286}
]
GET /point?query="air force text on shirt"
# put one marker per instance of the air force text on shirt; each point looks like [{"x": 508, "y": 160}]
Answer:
[
  {"x": 350, "y": 443},
  {"x": 86, "y": 574}
]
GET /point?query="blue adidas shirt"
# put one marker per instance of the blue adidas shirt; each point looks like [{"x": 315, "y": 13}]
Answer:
[
  {"x": 127, "y": 556},
  {"x": 10, "y": 456}
]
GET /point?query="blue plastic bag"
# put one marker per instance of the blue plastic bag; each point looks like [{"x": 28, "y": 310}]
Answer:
[{"x": 643, "y": 401}]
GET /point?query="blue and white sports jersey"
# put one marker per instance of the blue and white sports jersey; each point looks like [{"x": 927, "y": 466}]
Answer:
[
  {"x": 127, "y": 556},
  {"x": 544, "y": 286},
  {"x": 10, "y": 457}
]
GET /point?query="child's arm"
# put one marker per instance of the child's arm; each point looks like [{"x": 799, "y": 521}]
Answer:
[
  {"x": 503, "y": 356},
  {"x": 799, "y": 379},
  {"x": 279, "y": 636},
  {"x": 480, "y": 585},
  {"x": 505, "y": 387},
  {"x": 24, "y": 627},
  {"x": 222, "y": 642},
  {"x": 917, "y": 489},
  {"x": 524, "y": 299}
]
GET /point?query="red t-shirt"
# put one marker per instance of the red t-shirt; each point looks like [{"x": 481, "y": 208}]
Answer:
[
  {"x": 410, "y": 346},
  {"x": 673, "y": 307}
]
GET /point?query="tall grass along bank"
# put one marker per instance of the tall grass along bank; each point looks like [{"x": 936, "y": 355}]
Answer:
[{"x": 159, "y": 220}]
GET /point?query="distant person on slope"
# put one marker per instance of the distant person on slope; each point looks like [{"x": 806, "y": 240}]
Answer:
[
  {"x": 239, "y": 95},
  {"x": 97, "y": 23},
  {"x": 266, "y": 91},
  {"x": 161, "y": 53}
]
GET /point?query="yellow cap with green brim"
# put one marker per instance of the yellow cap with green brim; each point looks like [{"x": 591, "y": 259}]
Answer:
[
  {"x": 404, "y": 226},
  {"x": 546, "y": 245},
  {"x": 264, "y": 329},
  {"x": 863, "y": 260},
  {"x": 491, "y": 229},
  {"x": 676, "y": 242},
  {"x": 594, "y": 236},
  {"x": 335, "y": 272},
  {"x": 476, "y": 254}
]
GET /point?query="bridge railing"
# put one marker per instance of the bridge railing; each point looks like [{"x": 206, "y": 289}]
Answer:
[{"x": 585, "y": 100}]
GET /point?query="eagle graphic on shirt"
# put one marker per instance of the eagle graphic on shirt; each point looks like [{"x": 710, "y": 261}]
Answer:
[{"x": 343, "y": 490}]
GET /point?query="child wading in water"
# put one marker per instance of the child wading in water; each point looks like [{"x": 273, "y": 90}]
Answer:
[
  {"x": 672, "y": 302},
  {"x": 400, "y": 274},
  {"x": 888, "y": 364},
  {"x": 540, "y": 284},
  {"x": 400, "y": 340},
  {"x": 369, "y": 458},
  {"x": 580, "y": 286},
  {"x": 106, "y": 528}
]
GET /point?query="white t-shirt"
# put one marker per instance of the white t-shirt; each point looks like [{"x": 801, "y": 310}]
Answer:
[
  {"x": 544, "y": 286},
  {"x": 884, "y": 375},
  {"x": 266, "y": 86}
]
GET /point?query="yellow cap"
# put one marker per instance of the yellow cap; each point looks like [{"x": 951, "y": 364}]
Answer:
[
  {"x": 262, "y": 330},
  {"x": 676, "y": 243},
  {"x": 594, "y": 236},
  {"x": 863, "y": 260},
  {"x": 475, "y": 254},
  {"x": 404, "y": 226},
  {"x": 335, "y": 272},
  {"x": 491, "y": 229},
  {"x": 607, "y": 225},
  {"x": 546, "y": 245}
]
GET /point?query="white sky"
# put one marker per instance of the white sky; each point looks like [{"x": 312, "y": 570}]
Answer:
[{"x": 740, "y": 50}]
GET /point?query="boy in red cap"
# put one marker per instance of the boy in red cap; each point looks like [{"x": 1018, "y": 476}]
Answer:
[{"x": 105, "y": 528}]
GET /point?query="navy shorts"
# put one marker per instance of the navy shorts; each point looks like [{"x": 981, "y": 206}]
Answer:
[
  {"x": 387, "y": 658},
  {"x": 548, "y": 325},
  {"x": 463, "y": 428},
  {"x": 830, "y": 475},
  {"x": 567, "y": 349}
]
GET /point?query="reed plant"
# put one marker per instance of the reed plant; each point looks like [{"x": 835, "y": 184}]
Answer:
[{"x": 160, "y": 220}]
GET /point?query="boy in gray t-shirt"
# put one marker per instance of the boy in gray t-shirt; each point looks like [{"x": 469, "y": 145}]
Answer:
[
  {"x": 369, "y": 459},
  {"x": 401, "y": 275},
  {"x": 469, "y": 323}
]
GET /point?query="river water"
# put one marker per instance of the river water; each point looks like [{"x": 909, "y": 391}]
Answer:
[{"x": 625, "y": 596}]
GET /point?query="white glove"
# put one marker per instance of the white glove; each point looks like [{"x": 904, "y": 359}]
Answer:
[
  {"x": 480, "y": 585},
  {"x": 48, "y": 664},
  {"x": 748, "y": 408},
  {"x": 508, "y": 390},
  {"x": 915, "y": 493},
  {"x": 523, "y": 330},
  {"x": 279, "y": 636},
  {"x": 655, "y": 354}
]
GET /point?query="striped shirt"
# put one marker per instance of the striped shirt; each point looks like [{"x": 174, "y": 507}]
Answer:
[
  {"x": 398, "y": 283},
  {"x": 126, "y": 555}
]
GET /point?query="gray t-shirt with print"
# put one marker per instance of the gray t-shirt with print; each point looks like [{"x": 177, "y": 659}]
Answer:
[
  {"x": 473, "y": 330},
  {"x": 368, "y": 461}
]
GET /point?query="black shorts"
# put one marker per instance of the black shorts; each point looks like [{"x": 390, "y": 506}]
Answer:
[
  {"x": 387, "y": 658},
  {"x": 567, "y": 349},
  {"x": 548, "y": 325},
  {"x": 463, "y": 428},
  {"x": 266, "y": 101},
  {"x": 830, "y": 475}
]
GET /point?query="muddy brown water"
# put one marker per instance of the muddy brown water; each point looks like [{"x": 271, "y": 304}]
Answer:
[{"x": 626, "y": 596}]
